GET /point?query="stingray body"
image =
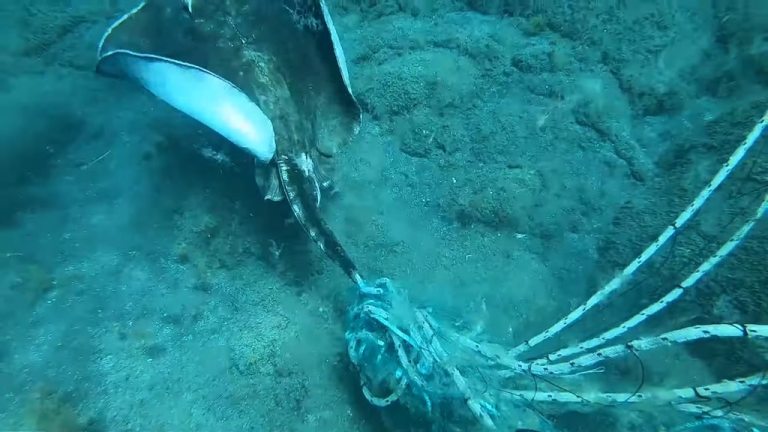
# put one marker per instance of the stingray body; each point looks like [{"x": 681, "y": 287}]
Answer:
[{"x": 268, "y": 75}]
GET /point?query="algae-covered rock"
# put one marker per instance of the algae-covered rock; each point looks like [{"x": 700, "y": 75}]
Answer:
[
  {"x": 429, "y": 77},
  {"x": 500, "y": 198}
]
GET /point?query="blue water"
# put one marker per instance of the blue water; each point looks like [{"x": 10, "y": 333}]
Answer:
[{"x": 514, "y": 156}]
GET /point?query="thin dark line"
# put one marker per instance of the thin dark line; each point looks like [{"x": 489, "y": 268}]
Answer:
[
  {"x": 642, "y": 375},
  {"x": 729, "y": 406}
]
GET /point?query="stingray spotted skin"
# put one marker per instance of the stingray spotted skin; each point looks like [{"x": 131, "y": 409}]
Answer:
[{"x": 285, "y": 57}]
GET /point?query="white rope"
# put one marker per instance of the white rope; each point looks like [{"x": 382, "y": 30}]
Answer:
[
  {"x": 687, "y": 334},
  {"x": 385, "y": 401},
  {"x": 383, "y": 317},
  {"x": 429, "y": 354},
  {"x": 664, "y": 237},
  {"x": 723, "y": 389},
  {"x": 405, "y": 362},
  {"x": 496, "y": 354},
  {"x": 474, "y": 405},
  {"x": 670, "y": 297},
  {"x": 720, "y": 413}
]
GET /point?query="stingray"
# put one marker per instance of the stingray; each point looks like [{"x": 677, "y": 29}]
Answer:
[{"x": 269, "y": 76}]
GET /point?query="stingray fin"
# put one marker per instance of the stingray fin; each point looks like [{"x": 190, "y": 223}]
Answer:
[
  {"x": 150, "y": 45},
  {"x": 284, "y": 55},
  {"x": 338, "y": 51},
  {"x": 125, "y": 17},
  {"x": 187, "y": 5},
  {"x": 268, "y": 181},
  {"x": 199, "y": 93}
]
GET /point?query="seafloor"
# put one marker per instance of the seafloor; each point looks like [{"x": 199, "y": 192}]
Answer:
[{"x": 514, "y": 156}]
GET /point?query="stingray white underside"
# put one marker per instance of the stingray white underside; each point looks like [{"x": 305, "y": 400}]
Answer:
[{"x": 202, "y": 95}]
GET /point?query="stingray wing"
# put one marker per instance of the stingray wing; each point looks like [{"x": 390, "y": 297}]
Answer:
[{"x": 283, "y": 56}]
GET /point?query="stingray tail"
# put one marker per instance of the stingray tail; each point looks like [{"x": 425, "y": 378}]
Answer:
[{"x": 299, "y": 192}]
